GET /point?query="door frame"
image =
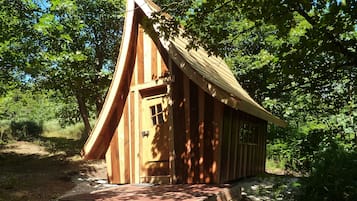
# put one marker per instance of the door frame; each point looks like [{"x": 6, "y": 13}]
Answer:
[{"x": 155, "y": 91}]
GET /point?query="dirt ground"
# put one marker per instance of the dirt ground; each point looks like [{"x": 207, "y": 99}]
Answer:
[
  {"x": 50, "y": 169},
  {"x": 30, "y": 171}
]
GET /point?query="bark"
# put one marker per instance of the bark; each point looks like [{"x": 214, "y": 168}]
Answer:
[
  {"x": 98, "y": 104},
  {"x": 84, "y": 113},
  {"x": 100, "y": 62}
]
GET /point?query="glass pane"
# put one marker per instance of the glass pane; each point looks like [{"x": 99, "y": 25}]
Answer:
[
  {"x": 161, "y": 118},
  {"x": 153, "y": 112},
  {"x": 153, "y": 120},
  {"x": 159, "y": 108}
]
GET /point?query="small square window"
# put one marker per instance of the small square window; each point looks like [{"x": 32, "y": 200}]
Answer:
[{"x": 157, "y": 115}]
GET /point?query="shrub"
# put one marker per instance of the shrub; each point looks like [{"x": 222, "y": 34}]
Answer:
[
  {"x": 25, "y": 129},
  {"x": 5, "y": 131},
  {"x": 333, "y": 176}
]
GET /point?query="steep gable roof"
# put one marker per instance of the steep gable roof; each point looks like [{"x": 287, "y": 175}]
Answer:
[{"x": 211, "y": 73}]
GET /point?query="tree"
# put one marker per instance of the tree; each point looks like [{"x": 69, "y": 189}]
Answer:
[
  {"x": 296, "y": 57},
  {"x": 16, "y": 20},
  {"x": 79, "y": 42}
]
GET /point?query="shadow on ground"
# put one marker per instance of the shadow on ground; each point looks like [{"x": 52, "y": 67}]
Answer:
[
  {"x": 175, "y": 192},
  {"x": 40, "y": 170},
  {"x": 68, "y": 147},
  {"x": 270, "y": 187}
]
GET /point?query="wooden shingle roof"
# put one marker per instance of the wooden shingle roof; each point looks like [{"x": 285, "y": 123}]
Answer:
[{"x": 216, "y": 77}]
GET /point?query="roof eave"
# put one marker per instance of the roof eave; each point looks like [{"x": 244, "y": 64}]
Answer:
[{"x": 102, "y": 133}]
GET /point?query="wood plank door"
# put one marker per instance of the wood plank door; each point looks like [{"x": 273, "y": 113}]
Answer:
[{"x": 155, "y": 140}]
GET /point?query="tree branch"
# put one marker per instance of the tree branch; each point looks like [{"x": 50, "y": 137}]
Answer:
[{"x": 352, "y": 56}]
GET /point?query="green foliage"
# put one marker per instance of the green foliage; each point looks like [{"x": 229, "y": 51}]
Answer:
[
  {"x": 16, "y": 20},
  {"x": 334, "y": 176},
  {"x": 53, "y": 129},
  {"x": 68, "y": 112},
  {"x": 289, "y": 51},
  {"x": 67, "y": 46},
  {"x": 81, "y": 40},
  {"x": 24, "y": 113},
  {"x": 25, "y": 130}
]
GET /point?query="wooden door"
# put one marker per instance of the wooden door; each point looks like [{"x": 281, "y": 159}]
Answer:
[{"x": 155, "y": 140}]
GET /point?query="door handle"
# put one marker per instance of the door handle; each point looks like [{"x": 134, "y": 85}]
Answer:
[{"x": 145, "y": 133}]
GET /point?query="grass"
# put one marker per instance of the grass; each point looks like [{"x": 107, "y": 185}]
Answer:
[
  {"x": 274, "y": 165},
  {"x": 56, "y": 139},
  {"x": 41, "y": 176},
  {"x": 53, "y": 129}
]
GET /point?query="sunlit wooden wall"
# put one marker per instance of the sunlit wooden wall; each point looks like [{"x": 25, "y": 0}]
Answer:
[
  {"x": 197, "y": 127},
  {"x": 213, "y": 142},
  {"x": 121, "y": 157}
]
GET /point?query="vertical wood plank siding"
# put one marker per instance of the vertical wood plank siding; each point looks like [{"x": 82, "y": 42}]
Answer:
[
  {"x": 197, "y": 121},
  {"x": 122, "y": 162},
  {"x": 115, "y": 158},
  {"x": 208, "y": 140},
  {"x": 243, "y": 155},
  {"x": 207, "y": 134},
  {"x": 150, "y": 63},
  {"x": 179, "y": 127}
]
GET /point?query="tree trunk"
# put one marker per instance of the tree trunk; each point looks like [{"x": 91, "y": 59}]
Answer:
[
  {"x": 98, "y": 104},
  {"x": 99, "y": 65},
  {"x": 84, "y": 113}
]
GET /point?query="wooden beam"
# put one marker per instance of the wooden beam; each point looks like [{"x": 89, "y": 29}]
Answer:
[
  {"x": 108, "y": 162},
  {"x": 194, "y": 136},
  {"x": 127, "y": 140},
  {"x": 186, "y": 88},
  {"x": 132, "y": 138},
  {"x": 137, "y": 136},
  {"x": 172, "y": 152},
  {"x": 147, "y": 58},
  {"x": 115, "y": 159},
  {"x": 140, "y": 56},
  {"x": 154, "y": 73},
  {"x": 218, "y": 136},
  {"x": 121, "y": 151},
  {"x": 201, "y": 134}
]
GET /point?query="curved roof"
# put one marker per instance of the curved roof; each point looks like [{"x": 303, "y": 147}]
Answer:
[
  {"x": 211, "y": 73},
  {"x": 213, "y": 70}
]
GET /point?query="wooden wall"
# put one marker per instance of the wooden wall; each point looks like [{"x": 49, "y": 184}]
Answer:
[
  {"x": 213, "y": 143},
  {"x": 243, "y": 145},
  {"x": 122, "y": 156},
  {"x": 197, "y": 119}
]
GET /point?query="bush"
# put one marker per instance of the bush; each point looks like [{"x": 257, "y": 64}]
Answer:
[
  {"x": 25, "y": 129},
  {"x": 5, "y": 131},
  {"x": 296, "y": 149},
  {"x": 333, "y": 176}
]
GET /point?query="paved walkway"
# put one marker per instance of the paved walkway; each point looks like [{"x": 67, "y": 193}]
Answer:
[{"x": 198, "y": 192}]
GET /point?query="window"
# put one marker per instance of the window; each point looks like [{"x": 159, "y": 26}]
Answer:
[
  {"x": 248, "y": 133},
  {"x": 157, "y": 114}
]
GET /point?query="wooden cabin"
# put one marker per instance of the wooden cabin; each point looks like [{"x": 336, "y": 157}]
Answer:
[{"x": 174, "y": 115}]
